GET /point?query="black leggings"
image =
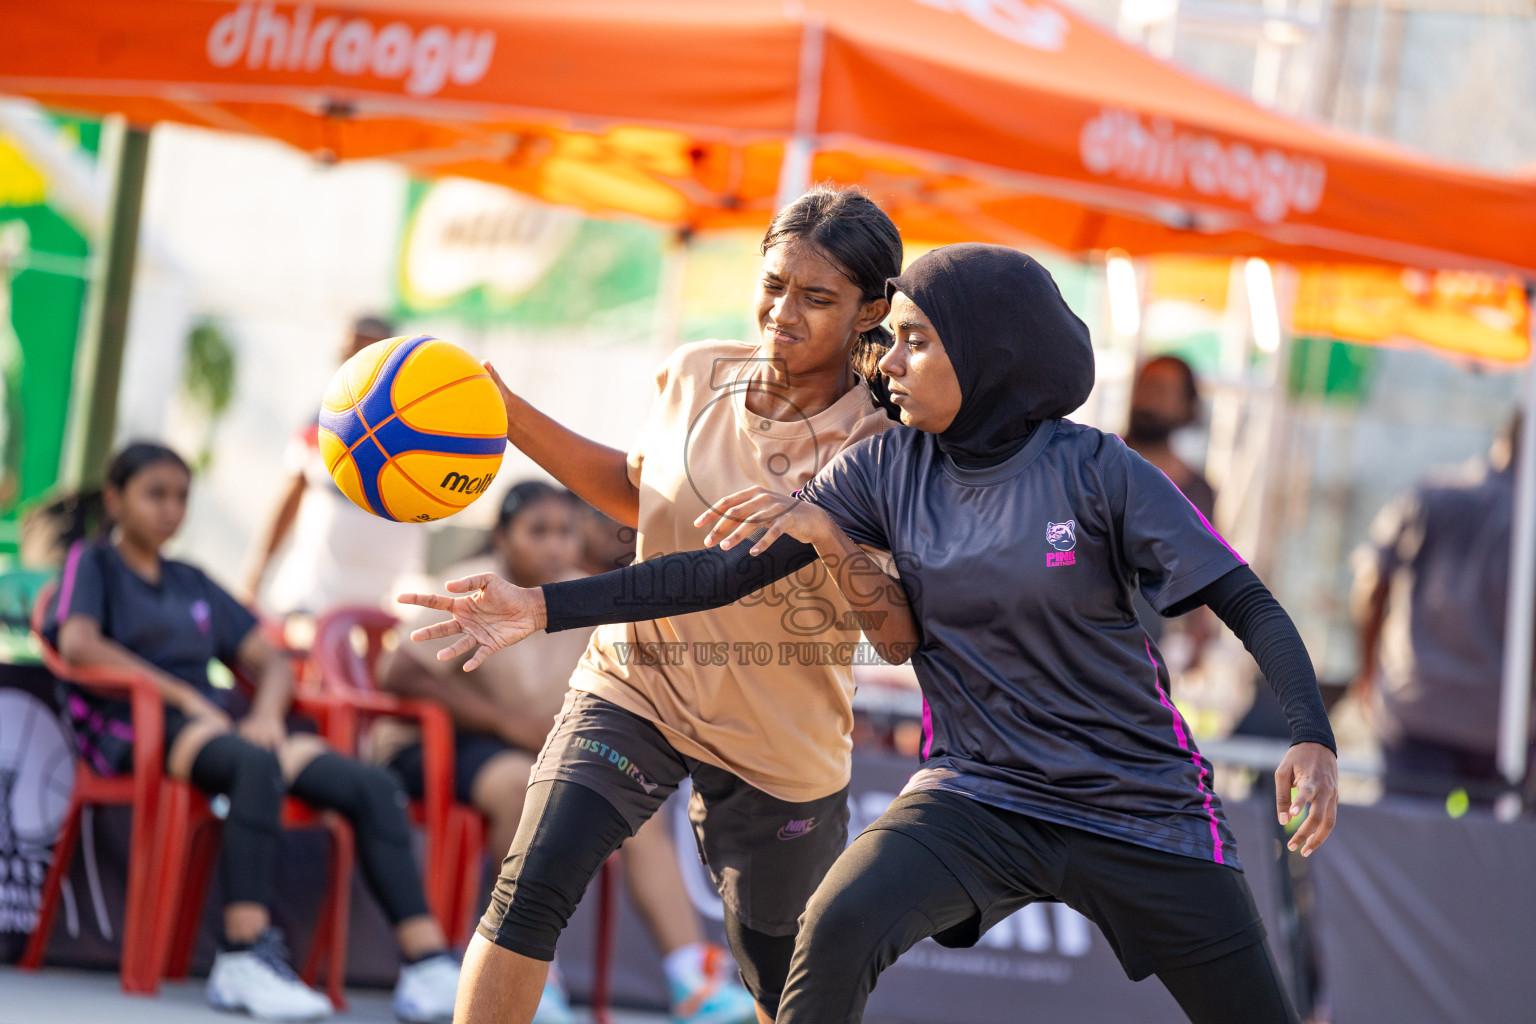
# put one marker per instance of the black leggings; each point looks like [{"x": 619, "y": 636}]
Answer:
[
  {"x": 367, "y": 796},
  {"x": 888, "y": 891},
  {"x": 565, "y": 834}
]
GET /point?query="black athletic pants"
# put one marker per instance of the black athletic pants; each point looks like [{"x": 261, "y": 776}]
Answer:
[
  {"x": 367, "y": 796},
  {"x": 566, "y": 833},
  {"x": 890, "y": 890}
]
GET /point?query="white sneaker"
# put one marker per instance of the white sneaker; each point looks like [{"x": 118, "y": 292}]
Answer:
[
  {"x": 426, "y": 989},
  {"x": 554, "y": 1004},
  {"x": 260, "y": 982}
]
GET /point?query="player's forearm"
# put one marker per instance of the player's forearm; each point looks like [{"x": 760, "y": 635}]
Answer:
[
  {"x": 1246, "y": 606},
  {"x": 1371, "y": 618},
  {"x": 597, "y": 473},
  {"x": 877, "y": 600},
  {"x": 675, "y": 584}
]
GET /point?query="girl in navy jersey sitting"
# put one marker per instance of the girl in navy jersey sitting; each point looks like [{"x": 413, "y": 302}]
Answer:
[
  {"x": 1055, "y": 764},
  {"x": 120, "y": 604}
]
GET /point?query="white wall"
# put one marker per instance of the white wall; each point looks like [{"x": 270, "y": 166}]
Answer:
[{"x": 284, "y": 253}]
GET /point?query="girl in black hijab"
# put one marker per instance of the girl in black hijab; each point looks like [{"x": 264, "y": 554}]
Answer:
[{"x": 1055, "y": 765}]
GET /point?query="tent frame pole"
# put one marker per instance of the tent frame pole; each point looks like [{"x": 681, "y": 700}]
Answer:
[
  {"x": 1515, "y": 695},
  {"x": 800, "y": 149},
  {"x": 98, "y": 368}
]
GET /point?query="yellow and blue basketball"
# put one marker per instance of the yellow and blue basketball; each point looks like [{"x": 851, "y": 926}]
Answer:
[{"x": 412, "y": 429}]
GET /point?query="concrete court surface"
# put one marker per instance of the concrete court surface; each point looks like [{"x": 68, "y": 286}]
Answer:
[{"x": 61, "y": 996}]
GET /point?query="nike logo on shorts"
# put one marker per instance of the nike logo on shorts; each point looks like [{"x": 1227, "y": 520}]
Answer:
[{"x": 796, "y": 827}]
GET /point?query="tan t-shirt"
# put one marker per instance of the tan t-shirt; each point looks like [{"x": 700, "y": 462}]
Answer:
[
  {"x": 745, "y": 687},
  {"x": 529, "y": 678}
]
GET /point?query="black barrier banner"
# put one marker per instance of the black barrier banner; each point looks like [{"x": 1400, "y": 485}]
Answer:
[
  {"x": 1426, "y": 918},
  {"x": 36, "y": 774}
]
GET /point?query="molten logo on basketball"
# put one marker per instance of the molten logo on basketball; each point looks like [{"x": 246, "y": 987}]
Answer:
[{"x": 466, "y": 484}]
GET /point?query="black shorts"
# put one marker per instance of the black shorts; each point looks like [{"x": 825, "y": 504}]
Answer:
[
  {"x": 1158, "y": 911},
  {"x": 472, "y": 751},
  {"x": 766, "y": 855}
]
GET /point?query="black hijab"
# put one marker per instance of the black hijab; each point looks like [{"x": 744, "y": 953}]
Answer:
[{"x": 1020, "y": 353}]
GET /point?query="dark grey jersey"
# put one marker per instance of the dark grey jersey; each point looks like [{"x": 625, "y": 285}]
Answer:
[{"x": 1042, "y": 692}]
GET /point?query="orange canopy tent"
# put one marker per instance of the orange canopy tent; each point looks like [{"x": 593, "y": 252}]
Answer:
[{"x": 1002, "y": 120}]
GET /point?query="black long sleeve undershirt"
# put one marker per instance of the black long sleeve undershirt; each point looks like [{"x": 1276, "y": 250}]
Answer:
[
  {"x": 1242, "y": 601},
  {"x": 693, "y": 581},
  {"x": 689, "y": 581}
]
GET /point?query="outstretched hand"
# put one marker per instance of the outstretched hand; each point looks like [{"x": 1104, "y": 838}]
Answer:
[
  {"x": 1313, "y": 770},
  {"x": 493, "y": 614},
  {"x": 737, "y": 516}
]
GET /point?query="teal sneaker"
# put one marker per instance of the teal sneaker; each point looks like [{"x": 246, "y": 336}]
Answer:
[
  {"x": 710, "y": 994},
  {"x": 554, "y": 1004}
]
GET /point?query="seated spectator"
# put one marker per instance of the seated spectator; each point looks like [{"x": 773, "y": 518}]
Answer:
[
  {"x": 1431, "y": 586},
  {"x": 122, "y": 605},
  {"x": 504, "y": 710}
]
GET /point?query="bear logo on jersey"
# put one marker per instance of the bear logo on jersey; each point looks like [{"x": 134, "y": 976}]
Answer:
[{"x": 1062, "y": 536}]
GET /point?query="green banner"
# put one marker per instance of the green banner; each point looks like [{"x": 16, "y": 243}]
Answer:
[
  {"x": 488, "y": 256},
  {"x": 44, "y": 267}
]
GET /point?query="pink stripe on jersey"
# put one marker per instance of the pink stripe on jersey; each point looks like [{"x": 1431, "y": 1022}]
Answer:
[
  {"x": 1207, "y": 524},
  {"x": 67, "y": 586},
  {"x": 927, "y": 729},
  {"x": 1183, "y": 738}
]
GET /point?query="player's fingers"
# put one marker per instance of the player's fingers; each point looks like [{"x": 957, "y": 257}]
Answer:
[
  {"x": 462, "y": 645},
  {"x": 774, "y": 532},
  {"x": 470, "y": 584},
  {"x": 708, "y": 520},
  {"x": 501, "y": 385},
  {"x": 720, "y": 524},
  {"x": 739, "y": 497},
  {"x": 719, "y": 511},
  {"x": 1306, "y": 792},
  {"x": 1306, "y": 838},
  {"x": 438, "y": 601},
  {"x": 437, "y": 630},
  {"x": 1325, "y": 811},
  {"x": 743, "y": 531},
  {"x": 755, "y": 508},
  {"x": 477, "y": 658},
  {"x": 1283, "y": 778},
  {"x": 748, "y": 517}
]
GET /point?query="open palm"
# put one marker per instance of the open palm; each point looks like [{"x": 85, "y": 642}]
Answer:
[{"x": 491, "y": 615}]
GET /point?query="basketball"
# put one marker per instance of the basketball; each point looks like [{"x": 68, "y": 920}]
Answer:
[{"x": 412, "y": 429}]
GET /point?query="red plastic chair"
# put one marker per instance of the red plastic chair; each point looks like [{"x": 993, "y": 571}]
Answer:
[
  {"x": 345, "y": 675},
  {"x": 173, "y": 843},
  {"x": 189, "y": 834},
  {"x": 141, "y": 789},
  {"x": 347, "y": 672}
]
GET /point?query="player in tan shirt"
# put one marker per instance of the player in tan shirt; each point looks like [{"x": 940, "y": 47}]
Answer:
[
  {"x": 752, "y": 701},
  {"x": 503, "y": 713}
]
